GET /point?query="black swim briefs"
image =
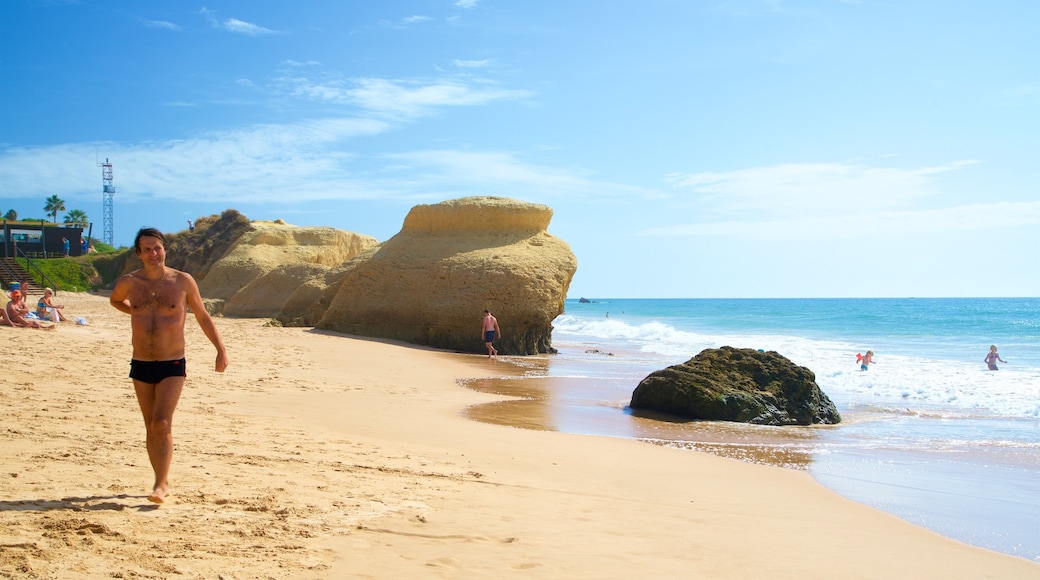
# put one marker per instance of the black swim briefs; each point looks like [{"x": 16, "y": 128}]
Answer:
[{"x": 154, "y": 371}]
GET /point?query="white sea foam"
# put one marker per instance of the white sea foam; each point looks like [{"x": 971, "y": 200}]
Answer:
[{"x": 922, "y": 384}]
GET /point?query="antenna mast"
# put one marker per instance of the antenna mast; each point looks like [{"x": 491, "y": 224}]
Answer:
[{"x": 107, "y": 190}]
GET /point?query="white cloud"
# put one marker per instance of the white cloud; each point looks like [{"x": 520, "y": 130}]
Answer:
[
  {"x": 495, "y": 173},
  {"x": 810, "y": 188},
  {"x": 161, "y": 24},
  {"x": 235, "y": 25},
  {"x": 833, "y": 200},
  {"x": 290, "y": 163},
  {"x": 471, "y": 63},
  {"x": 257, "y": 164},
  {"x": 405, "y": 22},
  {"x": 397, "y": 98},
  {"x": 1000, "y": 215},
  {"x": 466, "y": 3},
  {"x": 242, "y": 27}
]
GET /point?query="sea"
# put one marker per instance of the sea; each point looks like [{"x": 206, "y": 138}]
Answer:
[{"x": 928, "y": 433}]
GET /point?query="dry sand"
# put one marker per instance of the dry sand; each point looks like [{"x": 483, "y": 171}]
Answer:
[{"x": 322, "y": 456}]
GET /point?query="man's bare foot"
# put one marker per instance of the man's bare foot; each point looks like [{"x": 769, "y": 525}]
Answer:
[{"x": 159, "y": 495}]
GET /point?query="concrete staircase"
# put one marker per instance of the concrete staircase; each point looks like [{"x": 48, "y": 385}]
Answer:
[{"x": 11, "y": 271}]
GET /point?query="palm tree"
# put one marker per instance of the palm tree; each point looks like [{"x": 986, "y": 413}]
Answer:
[
  {"x": 77, "y": 217},
  {"x": 54, "y": 205}
]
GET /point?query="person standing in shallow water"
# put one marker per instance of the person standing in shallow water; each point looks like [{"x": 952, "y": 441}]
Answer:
[
  {"x": 157, "y": 299},
  {"x": 992, "y": 357},
  {"x": 866, "y": 361},
  {"x": 490, "y": 330}
]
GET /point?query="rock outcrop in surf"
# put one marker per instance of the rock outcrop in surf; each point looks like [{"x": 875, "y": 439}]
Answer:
[{"x": 737, "y": 384}]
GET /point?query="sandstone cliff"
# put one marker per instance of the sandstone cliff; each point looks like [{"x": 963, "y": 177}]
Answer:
[
  {"x": 267, "y": 264},
  {"x": 430, "y": 283}
]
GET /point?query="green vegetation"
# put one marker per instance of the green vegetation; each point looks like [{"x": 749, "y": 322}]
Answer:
[
  {"x": 54, "y": 205},
  {"x": 104, "y": 248},
  {"x": 68, "y": 274},
  {"x": 82, "y": 273},
  {"x": 77, "y": 217}
]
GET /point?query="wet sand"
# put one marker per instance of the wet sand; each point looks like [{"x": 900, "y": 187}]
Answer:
[{"x": 986, "y": 497}]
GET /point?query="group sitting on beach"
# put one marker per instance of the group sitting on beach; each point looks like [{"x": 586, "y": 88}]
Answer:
[{"x": 16, "y": 314}]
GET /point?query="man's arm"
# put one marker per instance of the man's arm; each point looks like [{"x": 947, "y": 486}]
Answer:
[
  {"x": 209, "y": 328},
  {"x": 120, "y": 296}
]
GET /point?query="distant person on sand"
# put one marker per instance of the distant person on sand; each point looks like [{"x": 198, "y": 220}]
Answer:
[
  {"x": 992, "y": 357},
  {"x": 45, "y": 304},
  {"x": 866, "y": 360},
  {"x": 4, "y": 321},
  {"x": 490, "y": 330},
  {"x": 157, "y": 299}
]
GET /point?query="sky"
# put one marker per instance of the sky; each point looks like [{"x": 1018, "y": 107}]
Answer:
[{"x": 689, "y": 149}]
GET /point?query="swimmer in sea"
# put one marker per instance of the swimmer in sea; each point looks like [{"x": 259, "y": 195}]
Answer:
[
  {"x": 992, "y": 357},
  {"x": 866, "y": 361}
]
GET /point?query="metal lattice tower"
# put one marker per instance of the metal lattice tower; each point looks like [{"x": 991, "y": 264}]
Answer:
[{"x": 107, "y": 190}]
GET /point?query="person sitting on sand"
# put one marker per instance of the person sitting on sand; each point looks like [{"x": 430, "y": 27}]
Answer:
[
  {"x": 992, "y": 357},
  {"x": 4, "y": 320},
  {"x": 17, "y": 311},
  {"x": 45, "y": 306}
]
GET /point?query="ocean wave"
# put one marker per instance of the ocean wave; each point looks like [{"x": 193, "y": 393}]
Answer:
[{"x": 919, "y": 384}]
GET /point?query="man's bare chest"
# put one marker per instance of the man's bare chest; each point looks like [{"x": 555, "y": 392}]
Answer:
[{"x": 163, "y": 295}]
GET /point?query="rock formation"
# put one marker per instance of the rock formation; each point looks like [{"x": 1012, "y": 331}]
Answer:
[
  {"x": 742, "y": 385},
  {"x": 268, "y": 263},
  {"x": 430, "y": 283},
  {"x": 194, "y": 252}
]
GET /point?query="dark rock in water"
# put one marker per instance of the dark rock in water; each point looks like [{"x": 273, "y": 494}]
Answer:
[{"x": 737, "y": 384}]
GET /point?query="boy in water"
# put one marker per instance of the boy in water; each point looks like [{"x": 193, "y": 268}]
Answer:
[
  {"x": 866, "y": 361},
  {"x": 992, "y": 358}
]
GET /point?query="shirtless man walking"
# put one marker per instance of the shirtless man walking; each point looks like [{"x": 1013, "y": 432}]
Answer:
[
  {"x": 490, "y": 331},
  {"x": 157, "y": 299}
]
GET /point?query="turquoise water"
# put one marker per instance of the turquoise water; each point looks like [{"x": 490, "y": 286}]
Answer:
[{"x": 929, "y": 434}]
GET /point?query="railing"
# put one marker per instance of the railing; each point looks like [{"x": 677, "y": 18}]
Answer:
[{"x": 47, "y": 282}]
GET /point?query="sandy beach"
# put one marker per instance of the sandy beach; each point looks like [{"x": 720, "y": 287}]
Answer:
[{"x": 319, "y": 455}]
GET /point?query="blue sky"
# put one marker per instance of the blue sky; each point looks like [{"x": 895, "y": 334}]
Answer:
[{"x": 717, "y": 148}]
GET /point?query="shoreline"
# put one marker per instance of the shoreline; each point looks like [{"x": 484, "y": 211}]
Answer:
[{"x": 322, "y": 455}]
